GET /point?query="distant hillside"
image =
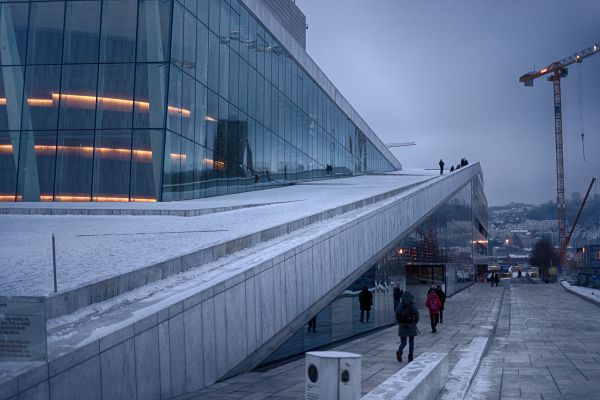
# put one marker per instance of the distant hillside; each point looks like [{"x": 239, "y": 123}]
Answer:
[{"x": 545, "y": 211}]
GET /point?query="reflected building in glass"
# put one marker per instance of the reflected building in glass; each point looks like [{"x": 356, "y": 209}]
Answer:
[
  {"x": 161, "y": 100},
  {"x": 448, "y": 248}
]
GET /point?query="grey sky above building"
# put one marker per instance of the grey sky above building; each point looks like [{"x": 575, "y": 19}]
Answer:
[{"x": 445, "y": 74}]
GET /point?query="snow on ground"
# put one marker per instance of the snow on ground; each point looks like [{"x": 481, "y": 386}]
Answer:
[
  {"x": 592, "y": 294},
  {"x": 463, "y": 372},
  {"x": 92, "y": 248}
]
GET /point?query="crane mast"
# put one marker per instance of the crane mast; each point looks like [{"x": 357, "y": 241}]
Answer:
[{"x": 558, "y": 70}]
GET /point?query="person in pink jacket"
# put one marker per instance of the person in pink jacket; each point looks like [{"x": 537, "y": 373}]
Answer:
[{"x": 434, "y": 305}]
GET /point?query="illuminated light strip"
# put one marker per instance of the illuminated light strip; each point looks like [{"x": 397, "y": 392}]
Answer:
[
  {"x": 89, "y": 102},
  {"x": 210, "y": 119},
  {"x": 105, "y": 151},
  {"x": 7, "y": 197},
  {"x": 110, "y": 199},
  {"x": 213, "y": 163}
]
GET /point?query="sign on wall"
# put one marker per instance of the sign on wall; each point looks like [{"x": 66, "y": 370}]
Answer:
[{"x": 22, "y": 329}]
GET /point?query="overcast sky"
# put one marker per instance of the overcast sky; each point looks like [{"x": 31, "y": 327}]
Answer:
[{"x": 445, "y": 74}]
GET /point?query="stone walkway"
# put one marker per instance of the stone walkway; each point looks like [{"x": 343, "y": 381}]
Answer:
[
  {"x": 546, "y": 346},
  {"x": 469, "y": 314}
]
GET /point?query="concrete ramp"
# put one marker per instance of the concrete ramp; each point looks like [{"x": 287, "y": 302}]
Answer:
[{"x": 185, "y": 332}]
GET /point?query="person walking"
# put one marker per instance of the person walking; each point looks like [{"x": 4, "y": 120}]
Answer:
[
  {"x": 493, "y": 278},
  {"x": 365, "y": 300},
  {"x": 497, "y": 279},
  {"x": 433, "y": 304},
  {"x": 312, "y": 325},
  {"x": 407, "y": 316},
  {"x": 441, "y": 166},
  {"x": 442, "y": 296}
]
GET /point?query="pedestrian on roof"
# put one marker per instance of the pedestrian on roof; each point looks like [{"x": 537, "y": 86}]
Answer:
[
  {"x": 441, "y": 166},
  {"x": 407, "y": 316},
  {"x": 434, "y": 304},
  {"x": 452, "y": 168}
]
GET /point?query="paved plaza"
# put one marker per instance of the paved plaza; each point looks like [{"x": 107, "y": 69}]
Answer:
[
  {"x": 544, "y": 346},
  {"x": 469, "y": 314}
]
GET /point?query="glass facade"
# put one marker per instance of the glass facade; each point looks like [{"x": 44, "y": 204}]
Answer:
[
  {"x": 445, "y": 249},
  {"x": 160, "y": 100}
]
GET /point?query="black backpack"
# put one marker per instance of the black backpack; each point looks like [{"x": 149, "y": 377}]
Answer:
[{"x": 406, "y": 314}]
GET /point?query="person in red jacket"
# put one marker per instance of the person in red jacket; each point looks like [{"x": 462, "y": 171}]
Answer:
[{"x": 434, "y": 305}]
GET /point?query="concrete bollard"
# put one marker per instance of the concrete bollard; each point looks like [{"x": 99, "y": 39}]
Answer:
[{"x": 332, "y": 375}]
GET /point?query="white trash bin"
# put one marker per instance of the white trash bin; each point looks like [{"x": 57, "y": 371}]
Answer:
[{"x": 332, "y": 375}]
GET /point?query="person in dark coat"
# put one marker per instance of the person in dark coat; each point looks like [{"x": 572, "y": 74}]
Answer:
[
  {"x": 397, "y": 296},
  {"x": 365, "y": 299},
  {"x": 442, "y": 296},
  {"x": 497, "y": 280},
  {"x": 493, "y": 278},
  {"x": 452, "y": 168},
  {"x": 407, "y": 316},
  {"x": 434, "y": 304},
  {"x": 441, "y": 166}
]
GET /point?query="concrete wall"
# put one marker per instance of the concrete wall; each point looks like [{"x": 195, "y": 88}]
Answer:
[{"x": 232, "y": 326}]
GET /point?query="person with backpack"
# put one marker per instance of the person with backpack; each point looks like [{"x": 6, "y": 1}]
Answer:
[
  {"x": 434, "y": 304},
  {"x": 442, "y": 296},
  {"x": 407, "y": 316},
  {"x": 365, "y": 300}
]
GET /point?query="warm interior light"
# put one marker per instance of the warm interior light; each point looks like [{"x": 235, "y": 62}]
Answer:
[
  {"x": 6, "y": 149},
  {"x": 89, "y": 102},
  {"x": 213, "y": 163},
  {"x": 7, "y": 197},
  {"x": 210, "y": 119},
  {"x": 104, "y": 152},
  {"x": 544, "y": 71},
  {"x": 119, "y": 199}
]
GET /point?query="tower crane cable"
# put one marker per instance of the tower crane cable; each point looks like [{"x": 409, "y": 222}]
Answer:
[{"x": 581, "y": 119}]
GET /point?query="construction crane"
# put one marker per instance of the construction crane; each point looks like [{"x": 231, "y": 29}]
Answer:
[
  {"x": 401, "y": 144},
  {"x": 558, "y": 70}
]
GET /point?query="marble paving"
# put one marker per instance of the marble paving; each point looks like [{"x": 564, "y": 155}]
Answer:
[
  {"x": 469, "y": 314},
  {"x": 546, "y": 347}
]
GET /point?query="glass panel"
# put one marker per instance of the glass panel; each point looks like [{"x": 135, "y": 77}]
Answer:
[
  {"x": 202, "y": 53},
  {"x": 119, "y": 20},
  {"x": 146, "y": 166},
  {"x": 150, "y": 95},
  {"x": 45, "y": 33},
  {"x": 189, "y": 44},
  {"x": 154, "y": 25},
  {"x": 201, "y": 115},
  {"x": 13, "y": 33},
  {"x": 115, "y": 96},
  {"x": 212, "y": 120},
  {"x": 213, "y": 62},
  {"x": 82, "y": 28},
  {"x": 41, "y": 97},
  {"x": 174, "y": 112},
  {"x": 9, "y": 154},
  {"x": 200, "y": 166},
  {"x": 172, "y": 164},
  {"x": 202, "y": 10},
  {"x": 37, "y": 152},
  {"x": 74, "y": 166},
  {"x": 112, "y": 160},
  {"x": 188, "y": 105},
  {"x": 78, "y": 97},
  {"x": 187, "y": 169},
  {"x": 11, "y": 97},
  {"x": 177, "y": 38}
]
